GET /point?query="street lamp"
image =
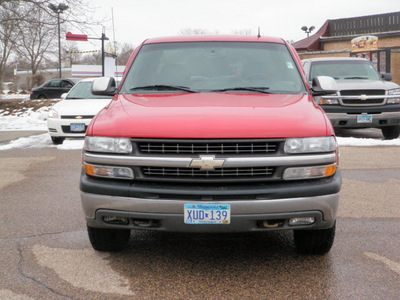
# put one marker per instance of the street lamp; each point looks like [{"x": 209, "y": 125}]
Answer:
[
  {"x": 58, "y": 10},
  {"x": 307, "y": 30}
]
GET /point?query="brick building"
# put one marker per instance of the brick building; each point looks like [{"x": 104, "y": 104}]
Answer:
[{"x": 375, "y": 37}]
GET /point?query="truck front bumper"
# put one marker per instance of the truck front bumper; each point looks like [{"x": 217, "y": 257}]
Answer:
[
  {"x": 345, "y": 120},
  {"x": 168, "y": 215}
]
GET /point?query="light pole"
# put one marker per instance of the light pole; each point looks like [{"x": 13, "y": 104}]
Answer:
[
  {"x": 58, "y": 10},
  {"x": 307, "y": 30}
]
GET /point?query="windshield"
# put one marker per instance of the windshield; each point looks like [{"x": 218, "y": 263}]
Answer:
[
  {"x": 237, "y": 67},
  {"x": 83, "y": 90},
  {"x": 344, "y": 69}
]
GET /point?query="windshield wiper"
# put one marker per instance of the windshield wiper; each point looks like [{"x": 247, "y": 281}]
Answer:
[
  {"x": 356, "y": 77},
  {"x": 258, "y": 89},
  {"x": 162, "y": 87}
]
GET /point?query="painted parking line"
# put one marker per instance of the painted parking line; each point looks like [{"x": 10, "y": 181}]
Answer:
[{"x": 394, "y": 266}]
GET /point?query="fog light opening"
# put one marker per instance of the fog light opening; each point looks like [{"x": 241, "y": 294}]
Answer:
[
  {"x": 301, "y": 221},
  {"x": 144, "y": 223},
  {"x": 115, "y": 220},
  {"x": 272, "y": 223}
]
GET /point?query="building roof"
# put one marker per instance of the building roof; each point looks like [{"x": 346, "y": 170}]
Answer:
[{"x": 312, "y": 43}]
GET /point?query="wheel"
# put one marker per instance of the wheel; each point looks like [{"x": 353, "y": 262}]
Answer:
[
  {"x": 391, "y": 132},
  {"x": 57, "y": 140},
  {"x": 42, "y": 97},
  {"x": 315, "y": 241},
  {"x": 105, "y": 240}
]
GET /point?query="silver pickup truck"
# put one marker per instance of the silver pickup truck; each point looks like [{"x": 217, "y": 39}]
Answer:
[{"x": 364, "y": 98}]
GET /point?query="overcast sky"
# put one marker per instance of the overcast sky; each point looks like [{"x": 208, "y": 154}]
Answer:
[{"x": 136, "y": 20}]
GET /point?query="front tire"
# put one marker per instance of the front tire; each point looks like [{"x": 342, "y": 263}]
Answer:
[
  {"x": 314, "y": 241},
  {"x": 391, "y": 132},
  {"x": 108, "y": 240},
  {"x": 57, "y": 140}
]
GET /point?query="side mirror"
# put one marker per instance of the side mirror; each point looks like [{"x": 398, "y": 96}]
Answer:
[
  {"x": 323, "y": 85},
  {"x": 387, "y": 76},
  {"x": 104, "y": 86},
  {"x": 63, "y": 96}
]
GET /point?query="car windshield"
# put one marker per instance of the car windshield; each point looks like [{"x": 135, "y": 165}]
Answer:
[
  {"x": 224, "y": 67},
  {"x": 344, "y": 69},
  {"x": 83, "y": 90}
]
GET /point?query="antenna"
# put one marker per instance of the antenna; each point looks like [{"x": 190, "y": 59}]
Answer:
[
  {"x": 115, "y": 43},
  {"x": 259, "y": 34}
]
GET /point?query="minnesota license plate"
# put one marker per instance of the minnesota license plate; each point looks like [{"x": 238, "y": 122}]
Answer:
[
  {"x": 207, "y": 214},
  {"x": 364, "y": 119},
  {"x": 77, "y": 127}
]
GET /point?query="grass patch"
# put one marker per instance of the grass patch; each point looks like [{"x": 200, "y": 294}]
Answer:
[{"x": 16, "y": 107}]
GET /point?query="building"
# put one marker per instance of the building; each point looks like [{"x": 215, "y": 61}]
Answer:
[
  {"x": 375, "y": 37},
  {"x": 23, "y": 78}
]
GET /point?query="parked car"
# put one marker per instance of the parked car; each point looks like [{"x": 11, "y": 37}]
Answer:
[
  {"x": 70, "y": 117},
  {"x": 365, "y": 99},
  {"x": 53, "y": 89},
  {"x": 211, "y": 134}
]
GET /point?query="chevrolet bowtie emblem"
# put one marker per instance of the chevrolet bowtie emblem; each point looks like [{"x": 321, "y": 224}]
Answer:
[
  {"x": 78, "y": 117},
  {"x": 207, "y": 162},
  {"x": 363, "y": 97}
]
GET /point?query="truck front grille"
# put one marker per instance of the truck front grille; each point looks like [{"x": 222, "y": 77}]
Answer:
[
  {"x": 208, "y": 147},
  {"x": 356, "y": 101},
  {"x": 76, "y": 117},
  {"x": 218, "y": 173}
]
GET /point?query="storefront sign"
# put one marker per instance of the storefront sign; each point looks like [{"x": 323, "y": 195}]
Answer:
[{"x": 364, "y": 43}]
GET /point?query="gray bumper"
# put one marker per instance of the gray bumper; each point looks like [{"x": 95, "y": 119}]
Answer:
[
  {"x": 345, "y": 120},
  {"x": 168, "y": 215}
]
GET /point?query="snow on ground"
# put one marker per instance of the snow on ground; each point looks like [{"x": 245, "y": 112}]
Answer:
[{"x": 36, "y": 121}]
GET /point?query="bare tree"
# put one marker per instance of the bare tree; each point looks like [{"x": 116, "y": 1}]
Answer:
[
  {"x": 36, "y": 38},
  {"x": 124, "y": 52},
  {"x": 193, "y": 31},
  {"x": 15, "y": 15},
  {"x": 246, "y": 31},
  {"x": 8, "y": 36}
]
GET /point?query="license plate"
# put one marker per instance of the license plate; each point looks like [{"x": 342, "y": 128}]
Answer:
[
  {"x": 364, "y": 119},
  {"x": 207, "y": 214},
  {"x": 77, "y": 127}
]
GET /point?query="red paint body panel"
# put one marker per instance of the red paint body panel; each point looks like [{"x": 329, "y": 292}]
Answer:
[{"x": 211, "y": 115}]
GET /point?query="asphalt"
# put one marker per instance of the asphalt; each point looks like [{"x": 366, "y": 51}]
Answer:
[{"x": 8, "y": 136}]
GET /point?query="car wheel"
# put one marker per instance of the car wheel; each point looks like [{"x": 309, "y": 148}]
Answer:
[
  {"x": 42, "y": 97},
  {"x": 57, "y": 140},
  {"x": 105, "y": 240},
  {"x": 314, "y": 241},
  {"x": 391, "y": 132}
]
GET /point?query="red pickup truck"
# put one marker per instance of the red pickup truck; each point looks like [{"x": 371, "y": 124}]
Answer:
[{"x": 212, "y": 134}]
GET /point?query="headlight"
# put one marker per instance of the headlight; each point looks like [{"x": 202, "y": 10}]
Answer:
[
  {"x": 107, "y": 144},
  {"x": 394, "y": 100},
  {"x": 310, "y": 145},
  {"x": 53, "y": 114}
]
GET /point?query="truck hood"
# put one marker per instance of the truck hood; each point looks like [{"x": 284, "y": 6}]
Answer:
[
  {"x": 211, "y": 115},
  {"x": 361, "y": 84}
]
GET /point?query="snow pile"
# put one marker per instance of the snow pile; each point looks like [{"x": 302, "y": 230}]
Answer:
[
  {"x": 362, "y": 142},
  {"x": 42, "y": 141},
  {"x": 28, "y": 121}
]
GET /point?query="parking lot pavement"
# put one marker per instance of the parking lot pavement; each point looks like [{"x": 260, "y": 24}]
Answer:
[
  {"x": 45, "y": 252},
  {"x": 7, "y": 136}
]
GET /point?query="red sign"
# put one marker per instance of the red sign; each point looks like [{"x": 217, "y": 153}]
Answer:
[{"x": 76, "y": 37}]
